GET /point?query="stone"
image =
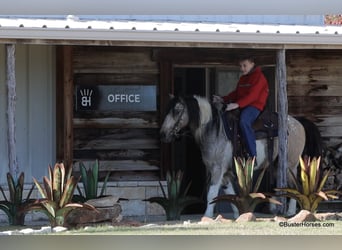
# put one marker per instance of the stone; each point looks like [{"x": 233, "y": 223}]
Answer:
[
  {"x": 326, "y": 216},
  {"x": 279, "y": 219},
  {"x": 303, "y": 215},
  {"x": 246, "y": 217},
  {"x": 59, "y": 229},
  {"x": 84, "y": 216}
]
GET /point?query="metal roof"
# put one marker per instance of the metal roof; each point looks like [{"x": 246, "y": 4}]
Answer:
[{"x": 73, "y": 29}]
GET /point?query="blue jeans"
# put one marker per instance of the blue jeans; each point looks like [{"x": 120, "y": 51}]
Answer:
[{"x": 247, "y": 117}]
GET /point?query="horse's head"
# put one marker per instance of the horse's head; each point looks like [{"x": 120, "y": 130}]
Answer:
[{"x": 176, "y": 119}]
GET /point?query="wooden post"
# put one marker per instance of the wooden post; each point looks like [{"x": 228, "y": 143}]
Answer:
[
  {"x": 68, "y": 105},
  {"x": 11, "y": 104},
  {"x": 166, "y": 88},
  {"x": 283, "y": 113}
]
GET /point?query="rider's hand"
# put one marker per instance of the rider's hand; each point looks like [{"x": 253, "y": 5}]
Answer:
[
  {"x": 232, "y": 106},
  {"x": 217, "y": 99}
]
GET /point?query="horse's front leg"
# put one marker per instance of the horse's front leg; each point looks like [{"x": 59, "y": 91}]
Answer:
[
  {"x": 214, "y": 186},
  {"x": 212, "y": 193},
  {"x": 229, "y": 189}
]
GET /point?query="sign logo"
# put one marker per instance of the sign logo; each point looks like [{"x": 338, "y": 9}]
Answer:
[{"x": 86, "y": 97}]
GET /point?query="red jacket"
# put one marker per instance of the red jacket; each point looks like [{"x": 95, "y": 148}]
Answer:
[{"x": 251, "y": 90}]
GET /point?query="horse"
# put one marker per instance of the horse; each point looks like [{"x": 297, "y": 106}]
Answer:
[{"x": 203, "y": 118}]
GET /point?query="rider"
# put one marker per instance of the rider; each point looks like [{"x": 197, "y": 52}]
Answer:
[{"x": 250, "y": 96}]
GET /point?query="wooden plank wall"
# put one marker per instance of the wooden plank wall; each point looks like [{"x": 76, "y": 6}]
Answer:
[
  {"x": 315, "y": 89},
  {"x": 125, "y": 143}
]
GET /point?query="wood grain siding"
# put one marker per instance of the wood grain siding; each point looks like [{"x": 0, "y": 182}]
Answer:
[
  {"x": 315, "y": 89},
  {"x": 126, "y": 143}
]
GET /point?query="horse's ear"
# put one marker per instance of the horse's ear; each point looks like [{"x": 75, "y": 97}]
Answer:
[{"x": 171, "y": 96}]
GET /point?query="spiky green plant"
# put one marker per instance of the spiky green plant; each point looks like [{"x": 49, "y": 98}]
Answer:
[
  {"x": 175, "y": 201},
  {"x": 90, "y": 181},
  {"x": 247, "y": 197},
  {"x": 15, "y": 207},
  {"x": 57, "y": 192},
  {"x": 308, "y": 191}
]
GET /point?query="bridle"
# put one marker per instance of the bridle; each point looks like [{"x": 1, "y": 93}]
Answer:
[{"x": 176, "y": 129}]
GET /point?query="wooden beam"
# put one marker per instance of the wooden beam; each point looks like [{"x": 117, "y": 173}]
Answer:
[
  {"x": 11, "y": 105},
  {"x": 68, "y": 86},
  {"x": 166, "y": 88},
  {"x": 283, "y": 113}
]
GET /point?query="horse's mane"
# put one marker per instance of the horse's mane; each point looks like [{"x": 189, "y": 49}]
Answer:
[{"x": 203, "y": 116}]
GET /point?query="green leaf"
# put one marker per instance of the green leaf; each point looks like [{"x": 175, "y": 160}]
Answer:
[
  {"x": 84, "y": 175},
  {"x": 257, "y": 195},
  {"x": 313, "y": 174},
  {"x": 68, "y": 191},
  {"x": 40, "y": 188},
  {"x": 104, "y": 186},
  {"x": 11, "y": 187},
  {"x": 95, "y": 173},
  {"x": 57, "y": 188},
  {"x": 19, "y": 189},
  {"x": 258, "y": 182},
  {"x": 240, "y": 175},
  {"x": 48, "y": 188},
  {"x": 322, "y": 183},
  {"x": 304, "y": 177}
]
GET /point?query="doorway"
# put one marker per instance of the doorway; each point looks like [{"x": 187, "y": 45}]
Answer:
[{"x": 186, "y": 154}]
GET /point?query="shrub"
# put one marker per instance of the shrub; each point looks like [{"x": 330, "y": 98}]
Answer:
[
  {"x": 57, "y": 192},
  {"x": 175, "y": 201},
  {"x": 247, "y": 197},
  {"x": 15, "y": 207},
  {"x": 308, "y": 191},
  {"x": 90, "y": 181}
]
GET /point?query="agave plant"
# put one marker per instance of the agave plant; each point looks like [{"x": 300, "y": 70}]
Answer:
[
  {"x": 57, "y": 193},
  {"x": 308, "y": 189},
  {"x": 89, "y": 178},
  {"x": 16, "y": 207},
  {"x": 247, "y": 197},
  {"x": 175, "y": 201}
]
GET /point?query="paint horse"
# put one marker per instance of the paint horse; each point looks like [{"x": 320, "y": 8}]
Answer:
[{"x": 204, "y": 121}]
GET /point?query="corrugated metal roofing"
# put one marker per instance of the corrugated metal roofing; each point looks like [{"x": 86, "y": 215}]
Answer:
[{"x": 72, "y": 28}]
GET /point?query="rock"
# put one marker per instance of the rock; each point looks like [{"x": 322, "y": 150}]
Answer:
[
  {"x": 84, "y": 216},
  {"x": 245, "y": 217},
  {"x": 106, "y": 201},
  {"x": 279, "y": 219},
  {"x": 59, "y": 229},
  {"x": 303, "y": 215},
  {"x": 326, "y": 216},
  {"x": 206, "y": 220}
]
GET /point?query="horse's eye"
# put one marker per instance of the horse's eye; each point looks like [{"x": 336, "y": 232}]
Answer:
[{"x": 177, "y": 110}]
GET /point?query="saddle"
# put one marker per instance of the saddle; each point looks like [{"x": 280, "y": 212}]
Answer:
[{"x": 265, "y": 126}]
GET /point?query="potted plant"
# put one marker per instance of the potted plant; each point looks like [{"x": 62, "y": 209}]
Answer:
[
  {"x": 90, "y": 183},
  {"x": 176, "y": 200},
  {"x": 247, "y": 197},
  {"x": 15, "y": 207},
  {"x": 107, "y": 206},
  {"x": 308, "y": 190},
  {"x": 57, "y": 192}
]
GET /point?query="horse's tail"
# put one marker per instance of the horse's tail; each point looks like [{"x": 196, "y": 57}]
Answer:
[{"x": 313, "y": 141}]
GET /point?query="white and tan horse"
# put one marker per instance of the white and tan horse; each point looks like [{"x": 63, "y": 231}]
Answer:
[{"x": 204, "y": 121}]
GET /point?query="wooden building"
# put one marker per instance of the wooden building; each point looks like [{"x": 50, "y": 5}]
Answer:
[{"x": 59, "y": 63}]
